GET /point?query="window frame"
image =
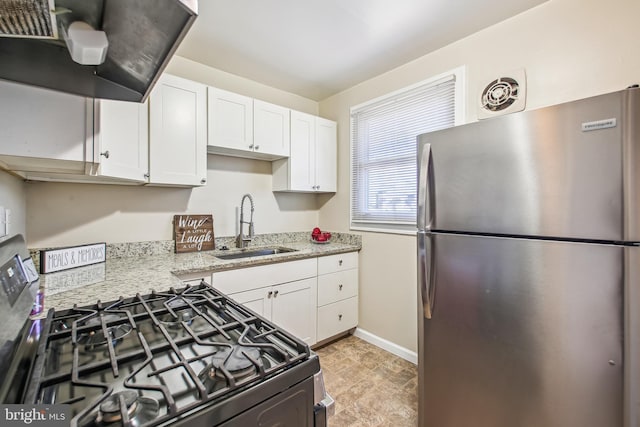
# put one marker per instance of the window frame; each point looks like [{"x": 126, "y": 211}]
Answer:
[{"x": 409, "y": 228}]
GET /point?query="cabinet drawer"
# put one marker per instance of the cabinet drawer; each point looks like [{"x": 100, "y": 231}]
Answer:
[
  {"x": 339, "y": 262},
  {"x": 244, "y": 279},
  {"x": 337, "y": 286},
  {"x": 337, "y": 317}
]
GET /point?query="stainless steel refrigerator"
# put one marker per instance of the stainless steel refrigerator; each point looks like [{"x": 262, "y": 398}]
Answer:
[{"x": 529, "y": 268}]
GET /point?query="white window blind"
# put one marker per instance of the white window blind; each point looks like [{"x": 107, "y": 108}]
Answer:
[{"x": 384, "y": 150}]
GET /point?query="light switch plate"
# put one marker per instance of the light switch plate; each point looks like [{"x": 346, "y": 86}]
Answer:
[{"x": 3, "y": 222}]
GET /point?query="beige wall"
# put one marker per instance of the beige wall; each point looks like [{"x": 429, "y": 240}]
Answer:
[
  {"x": 570, "y": 49},
  {"x": 12, "y": 196},
  {"x": 189, "y": 69},
  {"x": 61, "y": 214}
]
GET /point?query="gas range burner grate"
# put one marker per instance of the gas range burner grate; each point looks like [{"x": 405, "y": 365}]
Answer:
[
  {"x": 180, "y": 349},
  {"x": 233, "y": 364},
  {"x": 126, "y": 408},
  {"x": 98, "y": 338}
]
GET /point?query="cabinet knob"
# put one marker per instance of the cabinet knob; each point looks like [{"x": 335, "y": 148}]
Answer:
[
  {"x": 105, "y": 154},
  {"x": 146, "y": 175},
  {"x": 251, "y": 146},
  {"x": 339, "y": 262},
  {"x": 257, "y": 147},
  {"x": 269, "y": 294},
  {"x": 203, "y": 181},
  {"x": 339, "y": 316},
  {"x": 340, "y": 287},
  {"x": 275, "y": 294}
]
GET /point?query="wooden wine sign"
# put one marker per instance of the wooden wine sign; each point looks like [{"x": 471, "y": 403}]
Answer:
[{"x": 193, "y": 233}]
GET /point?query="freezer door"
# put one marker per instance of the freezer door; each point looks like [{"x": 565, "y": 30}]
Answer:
[
  {"x": 522, "y": 333},
  {"x": 556, "y": 171}
]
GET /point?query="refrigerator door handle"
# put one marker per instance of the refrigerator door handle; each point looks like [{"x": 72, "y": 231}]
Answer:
[
  {"x": 426, "y": 272},
  {"x": 425, "y": 182}
]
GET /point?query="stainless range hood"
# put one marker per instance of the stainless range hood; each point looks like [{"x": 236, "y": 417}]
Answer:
[{"x": 142, "y": 36}]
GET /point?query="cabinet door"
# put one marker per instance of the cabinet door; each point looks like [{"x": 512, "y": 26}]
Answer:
[
  {"x": 121, "y": 130},
  {"x": 271, "y": 133},
  {"x": 302, "y": 164},
  {"x": 326, "y": 155},
  {"x": 230, "y": 119},
  {"x": 258, "y": 300},
  {"x": 178, "y": 132},
  {"x": 39, "y": 123},
  {"x": 294, "y": 308}
]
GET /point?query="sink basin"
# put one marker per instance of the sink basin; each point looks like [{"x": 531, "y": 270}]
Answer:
[{"x": 247, "y": 253}]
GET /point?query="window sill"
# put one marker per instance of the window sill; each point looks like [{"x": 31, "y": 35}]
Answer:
[{"x": 386, "y": 229}]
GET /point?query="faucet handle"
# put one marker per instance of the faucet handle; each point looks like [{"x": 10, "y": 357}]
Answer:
[{"x": 251, "y": 230}]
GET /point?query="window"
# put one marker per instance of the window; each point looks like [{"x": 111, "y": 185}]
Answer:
[{"x": 384, "y": 149}]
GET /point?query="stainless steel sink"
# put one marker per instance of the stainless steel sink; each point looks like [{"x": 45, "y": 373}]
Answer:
[{"x": 247, "y": 253}]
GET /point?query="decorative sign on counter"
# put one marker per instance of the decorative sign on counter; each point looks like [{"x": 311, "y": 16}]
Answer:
[
  {"x": 77, "y": 256},
  {"x": 193, "y": 233}
]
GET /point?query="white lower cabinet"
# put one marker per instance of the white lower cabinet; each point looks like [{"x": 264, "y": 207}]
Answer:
[
  {"x": 288, "y": 305},
  {"x": 285, "y": 293},
  {"x": 314, "y": 299},
  {"x": 337, "y": 317},
  {"x": 337, "y": 294}
]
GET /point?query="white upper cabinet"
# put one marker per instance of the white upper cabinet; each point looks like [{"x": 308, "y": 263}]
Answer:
[
  {"x": 270, "y": 129},
  {"x": 121, "y": 133},
  {"x": 178, "y": 132},
  {"x": 245, "y": 127},
  {"x": 326, "y": 155},
  {"x": 311, "y": 166},
  {"x": 302, "y": 161},
  {"x": 43, "y": 131},
  {"x": 230, "y": 119}
]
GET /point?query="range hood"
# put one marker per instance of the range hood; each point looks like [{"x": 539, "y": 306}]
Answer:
[{"x": 142, "y": 36}]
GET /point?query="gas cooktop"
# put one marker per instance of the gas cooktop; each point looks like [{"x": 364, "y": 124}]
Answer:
[{"x": 187, "y": 355}]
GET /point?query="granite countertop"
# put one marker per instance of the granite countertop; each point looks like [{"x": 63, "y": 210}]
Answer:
[{"x": 140, "y": 268}]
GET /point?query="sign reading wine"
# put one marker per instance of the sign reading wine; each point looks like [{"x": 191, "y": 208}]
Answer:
[{"x": 193, "y": 233}]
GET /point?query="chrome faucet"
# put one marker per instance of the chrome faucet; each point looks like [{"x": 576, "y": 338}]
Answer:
[{"x": 241, "y": 240}]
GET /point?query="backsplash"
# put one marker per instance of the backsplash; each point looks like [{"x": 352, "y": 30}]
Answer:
[{"x": 162, "y": 247}]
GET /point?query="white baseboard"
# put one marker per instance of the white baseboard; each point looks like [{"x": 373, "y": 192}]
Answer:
[{"x": 406, "y": 354}]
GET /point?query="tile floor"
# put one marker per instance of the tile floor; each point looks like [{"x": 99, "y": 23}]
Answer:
[{"x": 371, "y": 386}]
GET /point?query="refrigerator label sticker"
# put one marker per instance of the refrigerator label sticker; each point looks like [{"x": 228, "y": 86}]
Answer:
[{"x": 599, "y": 124}]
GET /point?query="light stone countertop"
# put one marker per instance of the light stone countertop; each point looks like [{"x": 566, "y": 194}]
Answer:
[{"x": 130, "y": 270}]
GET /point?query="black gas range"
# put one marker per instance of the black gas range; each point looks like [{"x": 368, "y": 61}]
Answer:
[{"x": 183, "y": 356}]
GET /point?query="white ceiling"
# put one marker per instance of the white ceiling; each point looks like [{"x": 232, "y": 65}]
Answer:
[{"x": 316, "y": 48}]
